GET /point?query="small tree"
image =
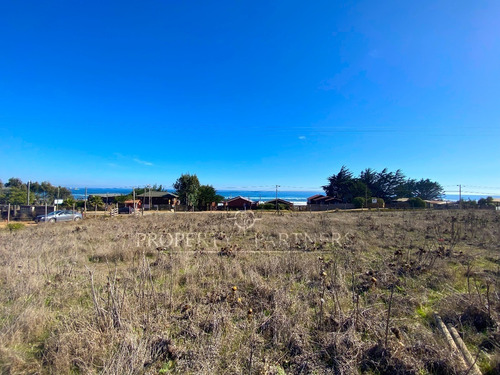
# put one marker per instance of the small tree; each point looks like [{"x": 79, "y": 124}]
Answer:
[
  {"x": 343, "y": 186},
  {"x": 207, "y": 195},
  {"x": 14, "y": 182},
  {"x": 339, "y": 184},
  {"x": 427, "y": 189},
  {"x": 18, "y": 196},
  {"x": 95, "y": 201},
  {"x": 187, "y": 188},
  {"x": 416, "y": 202},
  {"x": 485, "y": 201},
  {"x": 69, "y": 202},
  {"x": 64, "y": 193},
  {"x": 123, "y": 198}
]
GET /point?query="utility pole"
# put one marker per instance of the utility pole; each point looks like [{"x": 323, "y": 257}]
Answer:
[
  {"x": 459, "y": 196},
  {"x": 277, "y": 207},
  {"x": 57, "y": 204},
  {"x": 29, "y": 183},
  {"x": 366, "y": 196},
  {"x": 143, "y": 201}
]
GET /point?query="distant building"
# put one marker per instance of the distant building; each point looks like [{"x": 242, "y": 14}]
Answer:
[
  {"x": 331, "y": 200},
  {"x": 400, "y": 203},
  {"x": 158, "y": 198},
  {"x": 312, "y": 199},
  {"x": 288, "y": 204},
  {"x": 321, "y": 202},
  {"x": 436, "y": 204},
  {"x": 131, "y": 202},
  {"x": 322, "y": 199},
  {"x": 240, "y": 203}
]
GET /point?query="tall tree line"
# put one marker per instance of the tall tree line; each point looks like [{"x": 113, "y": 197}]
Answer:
[{"x": 384, "y": 184}]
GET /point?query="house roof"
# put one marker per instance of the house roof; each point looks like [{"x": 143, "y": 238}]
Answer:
[
  {"x": 157, "y": 194},
  {"x": 329, "y": 199},
  {"x": 317, "y": 199},
  {"x": 436, "y": 202},
  {"x": 320, "y": 198},
  {"x": 239, "y": 197},
  {"x": 282, "y": 201},
  {"x": 315, "y": 196}
]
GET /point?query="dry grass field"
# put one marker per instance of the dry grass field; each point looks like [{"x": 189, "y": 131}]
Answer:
[{"x": 226, "y": 293}]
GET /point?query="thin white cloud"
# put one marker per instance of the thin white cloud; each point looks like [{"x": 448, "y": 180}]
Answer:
[
  {"x": 302, "y": 137},
  {"x": 142, "y": 162}
]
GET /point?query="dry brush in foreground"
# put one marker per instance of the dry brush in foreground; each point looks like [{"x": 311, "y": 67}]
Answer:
[{"x": 340, "y": 293}]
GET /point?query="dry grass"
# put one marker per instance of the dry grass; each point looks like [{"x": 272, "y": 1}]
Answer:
[{"x": 96, "y": 297}]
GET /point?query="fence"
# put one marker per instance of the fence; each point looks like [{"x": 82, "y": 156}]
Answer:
[
  {"x": 23, "y": 211},
  {"x": 327, "y": 207}
]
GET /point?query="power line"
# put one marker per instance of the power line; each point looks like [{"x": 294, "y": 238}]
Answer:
[{"x": 470, "y": 192}]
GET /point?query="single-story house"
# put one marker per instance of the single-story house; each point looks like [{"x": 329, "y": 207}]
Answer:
[
  {"x": 312, "y": 199},
  {"x": 320, "y": 202},
  {"x": 288, "y": 204},
  {"x": 240, "y": 203},
  {"x": 436, "y": 204},
  {"x": 400, "y": 203},
  {"x": 322, "y": 199},
  {"x": 158, "y": 198},
  {"x": 331, "y": 200}
]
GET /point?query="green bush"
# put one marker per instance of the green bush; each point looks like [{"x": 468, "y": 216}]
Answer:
[
  {"x": 359, "y": 202},
  {"x": 416, "y": 202},
  {"x": 486, "y": 201},
  {"x": 15, "y": 226}
]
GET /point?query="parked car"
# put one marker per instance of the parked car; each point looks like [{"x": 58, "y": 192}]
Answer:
[{"x": 61, "y": 215}]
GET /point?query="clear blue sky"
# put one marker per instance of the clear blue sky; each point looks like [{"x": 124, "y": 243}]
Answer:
[{"x": 249, "y": 93}]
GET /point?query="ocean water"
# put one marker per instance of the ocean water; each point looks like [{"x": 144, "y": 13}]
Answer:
[
  {"x": 296, "y": 197},
  {"x": 455, "y": 197}
]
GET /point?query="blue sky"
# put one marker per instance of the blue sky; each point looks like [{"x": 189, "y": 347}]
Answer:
[{"x": 249, "y": 93}]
